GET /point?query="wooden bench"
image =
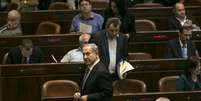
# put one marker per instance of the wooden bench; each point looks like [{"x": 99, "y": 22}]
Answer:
[
  {"x": 24, "y": 81},
  {"x": 160, "y": 15}
]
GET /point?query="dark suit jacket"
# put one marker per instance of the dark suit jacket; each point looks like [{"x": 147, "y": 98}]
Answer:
[
  {"x": 101, "y": 40},
  {"x": 174, "y": 49},
  {"x": 15, "y": 56},
  {"x": 174, "y": 24},
  {"x": 98, "y": 85}
]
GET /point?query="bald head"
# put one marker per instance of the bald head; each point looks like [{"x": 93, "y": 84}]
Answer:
[
  {"x": 84, "y": 38},
  {"x": 13, "y": 18},
  {"x": 179, "y": 10}
]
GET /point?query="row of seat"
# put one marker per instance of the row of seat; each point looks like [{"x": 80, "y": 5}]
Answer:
[
  {"x": 67, "y": 88},
  {"x": 131, "y": 56},
  {"x": 141, "y": 25}
]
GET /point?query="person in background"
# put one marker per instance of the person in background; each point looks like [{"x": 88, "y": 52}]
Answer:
[
  {"x": 86, "y": 21},
  {"x": 76, "y": 55},
  {"x": 27, "y": 5},
  {"x": 13, "y": 26},
  {"x": 118, "y": 8},
  {"x": 112, "y": 45},
  {"x": 190, "y": 80},
  {"x": 97, "y": 83},
  {"x": 181, "y": 47},
  {"x": 25, "y": 53},
  {"x": 180, "y": 19}
]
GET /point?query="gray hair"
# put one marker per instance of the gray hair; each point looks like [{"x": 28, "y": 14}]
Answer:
[
  {"x": 114, "y": 20},
  {"x": 93, "y": 46}
]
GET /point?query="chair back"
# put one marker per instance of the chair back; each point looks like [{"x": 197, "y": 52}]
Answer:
[
  {"x": 168, "y": 83},
  {"x": 48, "y": 27},
  {"x": 145, "y": 25},
  {"x": 59, "y": 88},
  {"x": 59, "y": 6},
  {"x": 128, "y": 86},
  {"x": 5, "y": 57}
]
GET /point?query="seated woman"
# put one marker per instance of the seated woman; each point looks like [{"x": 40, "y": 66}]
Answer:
[{"x": 190, "y": 80}]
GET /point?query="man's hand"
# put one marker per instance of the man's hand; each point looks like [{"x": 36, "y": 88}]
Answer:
[
  {"x": 84, "y": 98},
  {"x": 77, "y": 96}
]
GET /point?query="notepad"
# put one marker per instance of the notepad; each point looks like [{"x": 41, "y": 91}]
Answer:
[{"x": 85, "y": 28}]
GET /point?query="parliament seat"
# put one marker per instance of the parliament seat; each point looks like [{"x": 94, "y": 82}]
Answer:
[
  {"x": 128, "y": 86},
  {"x": 59, "y": 88},
  {"x": 58, "y": 6},
  {"x": 99, "y": 4},
  {"x": 145, "y": 25},
  {"x": 5, "y": 57},
  {"x": 168, "y": 83},
  {"x": 48, "y": 27}
]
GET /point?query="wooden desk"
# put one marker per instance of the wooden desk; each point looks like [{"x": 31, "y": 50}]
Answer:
[
  {"x": 23, "y": 82},
  {"x": 173, "y": 96},
  {"x": 30, "y": 20}
]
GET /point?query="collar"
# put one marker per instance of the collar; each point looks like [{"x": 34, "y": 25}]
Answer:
[
  {"x": 108, "y": 36},
  {"x": 92, "y": 66},
  {"x": 182, "y": 21},
  {"x": 90, "y": 17},
  {"x": 181, "y": 44}
]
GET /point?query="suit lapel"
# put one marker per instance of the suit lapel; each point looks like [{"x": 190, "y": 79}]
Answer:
[
  {"x": 178, "y": 47},
  {"x": 105, "y": 42},
  {"x": 118, "y": 48},
  {"x": 189, "y": 49},
  {"x": 90, "y": 77}
]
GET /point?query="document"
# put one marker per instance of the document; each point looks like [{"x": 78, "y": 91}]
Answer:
[{"x": 85, "y": 28}]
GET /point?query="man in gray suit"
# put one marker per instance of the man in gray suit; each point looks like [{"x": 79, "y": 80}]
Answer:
[{"x": 13, "y": 26}]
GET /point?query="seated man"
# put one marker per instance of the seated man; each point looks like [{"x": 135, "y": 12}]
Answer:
[
  {"x": 13, "y": 26},
  {"x": 180, "y": 19},
  {"x": 76, "y": 55},
  {"x": 181, "y": 47},
  {"x": 97, "y": 82},
  {"x": 87, "y": 21},
  {"x": 24, "y": 54}
]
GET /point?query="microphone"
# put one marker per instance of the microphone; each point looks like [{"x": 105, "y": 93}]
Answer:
[
  {"x": 3, "y": 28},
  {"x": 55, "y": 60}
]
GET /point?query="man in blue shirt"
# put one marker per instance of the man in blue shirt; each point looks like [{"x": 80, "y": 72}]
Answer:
[{"x": 86, "y": 21}]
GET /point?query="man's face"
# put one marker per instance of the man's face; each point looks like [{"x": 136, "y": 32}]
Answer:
[
  {"x": 89, "y": 55},
  {"x": 114, "y": 7},
  {"x": 26, "y": 52},
  {"x": 85, "y": 7},
  {"x": 13, "y": 21},
  {"x": 113, "y": 31},
  {"x": 185, "y": 36},
  {"x": 180, "y": 10}
]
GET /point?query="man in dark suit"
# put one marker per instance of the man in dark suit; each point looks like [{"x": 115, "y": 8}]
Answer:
[
  {"x": 24, "y": 54},
  {"x": 180, "y": 19},
  {"x": 112, "y": 45},
  {"x": 97, "y": 81},
  {"x": 181, "y": 47}
]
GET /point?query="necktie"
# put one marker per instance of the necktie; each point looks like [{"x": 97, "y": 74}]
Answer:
[{"x": 87, "y": 71}]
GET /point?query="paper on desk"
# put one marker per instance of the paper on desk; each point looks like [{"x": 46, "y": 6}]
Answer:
[
  {"x": 124, "y": 67},
  {"x": 84, "y": 28}
]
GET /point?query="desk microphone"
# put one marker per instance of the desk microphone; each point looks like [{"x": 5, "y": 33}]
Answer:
[{"x": 3, "y": 28}]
